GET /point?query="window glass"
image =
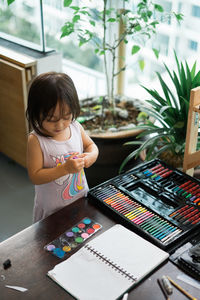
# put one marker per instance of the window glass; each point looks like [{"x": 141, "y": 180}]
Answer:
[
  {"x": 193, "y": 45},
  {"x": 55, "y": 16},
  {"x": 183, "y": 38},
  {"x": 21, "y": 23},
  {"x": 196, "y": 11}
]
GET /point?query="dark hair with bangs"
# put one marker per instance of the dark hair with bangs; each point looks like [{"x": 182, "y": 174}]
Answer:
[{"x": 45, "y": 92}]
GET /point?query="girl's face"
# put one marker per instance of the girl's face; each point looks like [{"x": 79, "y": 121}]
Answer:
[{"x": 55, "y": 125}]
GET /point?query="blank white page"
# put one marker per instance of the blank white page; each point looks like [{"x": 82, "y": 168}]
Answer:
[{"x": 87, "y": 275}]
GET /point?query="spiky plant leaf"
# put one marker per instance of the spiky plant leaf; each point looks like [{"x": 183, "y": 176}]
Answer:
[{"x": 170, "y": 110}]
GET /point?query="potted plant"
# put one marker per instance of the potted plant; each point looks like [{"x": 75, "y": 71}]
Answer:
[
  {"x": 107, "y": 116},
  {"x": 91, "y": 25},
  {"x": 165, "y": 138}
]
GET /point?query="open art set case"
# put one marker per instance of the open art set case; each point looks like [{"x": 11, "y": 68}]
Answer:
[{"x": 157, "y": 201}]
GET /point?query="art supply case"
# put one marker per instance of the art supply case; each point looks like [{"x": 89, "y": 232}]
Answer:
[{"x": 159, "y": 202}]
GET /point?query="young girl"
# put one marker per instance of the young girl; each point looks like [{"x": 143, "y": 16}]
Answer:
[{"x": 58, "y": 147}]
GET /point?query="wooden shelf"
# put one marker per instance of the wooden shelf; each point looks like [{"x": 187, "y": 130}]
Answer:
[{"x": 191, "y": 155}]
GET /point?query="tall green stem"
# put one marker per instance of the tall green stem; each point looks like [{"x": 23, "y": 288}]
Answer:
[
  {"x": 104, "y": 47},
  {"x": 112, "y": 80}
]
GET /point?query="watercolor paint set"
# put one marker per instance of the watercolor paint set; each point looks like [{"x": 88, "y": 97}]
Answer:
[
  {"x": 158, "y": 201},
  {"x": 73, "y": 237}
]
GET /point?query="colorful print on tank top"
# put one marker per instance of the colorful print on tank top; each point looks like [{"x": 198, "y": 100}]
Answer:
[{"x": 72, "y": 183}]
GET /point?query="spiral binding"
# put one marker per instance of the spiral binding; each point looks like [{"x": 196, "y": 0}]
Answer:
[{"x": 111, "y": 264}]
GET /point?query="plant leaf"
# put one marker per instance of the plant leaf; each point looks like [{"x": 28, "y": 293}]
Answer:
[
  {"x": 156, "y": 52},
  {"x": 92, "y": 23},
  {"x": 111, "y": 20},
  {"x": 141, "y": 64},
  {"x": 67, "y": 29},
  {"x": 135, "y": 49},
  {"x": 10, "y": 1},
  {"x": 76, "y": 18},
  {"x": 158, "y": 7},
  {"x": 67, "y": 3}
]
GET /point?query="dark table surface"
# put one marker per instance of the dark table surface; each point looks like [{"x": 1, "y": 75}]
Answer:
[{"x": 30, "y": 262}]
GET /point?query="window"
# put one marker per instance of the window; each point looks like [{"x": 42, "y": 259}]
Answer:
[
  {"x": 54, "y": 18},
  {"x": 21, "y": 23},
  {"x": 161, "y": 42},
  {"x": 37, "y": 24},
  {"x": 196, "y": 11},
  {"x": 193, "y": 45}
]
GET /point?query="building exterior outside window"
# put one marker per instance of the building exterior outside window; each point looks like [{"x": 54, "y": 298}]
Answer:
[
  {"x": 22, "y": 22},
  {"x": 193, "y": 45},
  {"x": 196, "y": 11}
]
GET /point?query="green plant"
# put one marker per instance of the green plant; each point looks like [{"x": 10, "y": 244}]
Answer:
[
  {"x": 91, "y": 25},
  {"x": 94, "y": 22},
  {"x": 170, "y": 110}
]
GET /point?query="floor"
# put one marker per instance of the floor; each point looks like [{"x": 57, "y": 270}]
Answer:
[{"x": 16, "y": 198}]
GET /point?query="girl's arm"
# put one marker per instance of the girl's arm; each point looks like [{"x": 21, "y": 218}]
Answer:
[
  {"x": 40, "y": 175},
  {"x": 90, "y": 149}
]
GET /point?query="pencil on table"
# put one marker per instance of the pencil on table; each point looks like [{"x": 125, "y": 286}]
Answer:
[{"x": 181, "y": 289}]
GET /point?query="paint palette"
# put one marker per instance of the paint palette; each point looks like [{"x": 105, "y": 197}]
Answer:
[
  {"x": 157, "y": 201},
  {"x": 73, "y": 237}
]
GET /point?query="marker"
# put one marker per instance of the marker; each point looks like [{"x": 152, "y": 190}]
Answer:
[
  {"x": 193, "y": 198},
  {"x": 190, "y": 220},
  {"x": 197, "y": 200},
  {"x": 176, "y": 189},
  {"x": 155, "y": 171},
  {"x": 167, "y": 174},
  {"x": 188, "y": 215},
  {"x": 178, "y": 211},
  {"x": 196, "y": 221}
]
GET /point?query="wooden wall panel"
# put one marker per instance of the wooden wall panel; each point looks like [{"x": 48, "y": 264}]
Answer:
[{"x": 13, "y": 98}]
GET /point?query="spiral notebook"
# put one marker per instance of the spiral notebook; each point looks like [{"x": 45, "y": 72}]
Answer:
[{"x": 108, "y": 266}]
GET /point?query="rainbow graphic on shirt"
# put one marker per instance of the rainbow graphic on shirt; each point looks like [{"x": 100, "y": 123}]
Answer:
[{"x": 73, "y": 183}]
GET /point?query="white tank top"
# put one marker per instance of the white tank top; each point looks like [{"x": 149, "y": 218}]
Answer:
[{"x": 54, "y": 195}]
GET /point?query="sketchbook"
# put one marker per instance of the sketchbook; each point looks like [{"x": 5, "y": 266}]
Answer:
[{"x": 108, "y": 266}]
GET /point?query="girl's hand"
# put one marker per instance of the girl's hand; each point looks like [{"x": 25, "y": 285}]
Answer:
[
  {"x": 74, "y": 164},
  {"x": 88, "y": 159}
]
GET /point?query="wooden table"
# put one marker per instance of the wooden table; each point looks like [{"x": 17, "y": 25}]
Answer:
[{"x": 30, "y": 262}]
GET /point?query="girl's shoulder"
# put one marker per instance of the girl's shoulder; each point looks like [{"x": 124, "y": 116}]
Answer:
[
  {"x": 35, "y": 137},
  {"x": 32, "y": 135}
]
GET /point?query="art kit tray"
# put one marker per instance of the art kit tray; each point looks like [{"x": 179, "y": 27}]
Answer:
[{"x": 157, "y": 201}]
